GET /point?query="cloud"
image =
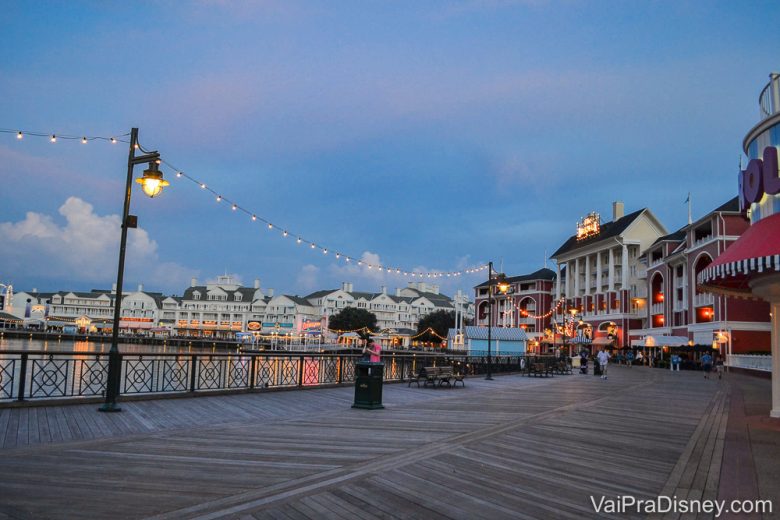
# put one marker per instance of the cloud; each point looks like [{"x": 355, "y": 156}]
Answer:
[
  {"x": 84, "y": 249},
  {"x": 308, "y": 278}
]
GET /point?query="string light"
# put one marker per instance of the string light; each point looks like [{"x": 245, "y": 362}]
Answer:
[{"x": 85, "y": 138}]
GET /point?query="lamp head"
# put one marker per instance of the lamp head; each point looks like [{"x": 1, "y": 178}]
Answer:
[
  {"x": 502, "y": 284},
  {"x": 152, "y": 182}
]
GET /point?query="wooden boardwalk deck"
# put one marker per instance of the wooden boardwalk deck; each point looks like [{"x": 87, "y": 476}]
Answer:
[{"x": 514, "y": 447}]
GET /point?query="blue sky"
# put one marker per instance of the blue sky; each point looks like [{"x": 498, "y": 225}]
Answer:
[{"x": 431, "y": 135}]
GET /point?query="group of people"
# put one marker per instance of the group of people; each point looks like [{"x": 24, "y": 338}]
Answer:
[{"x": 602, "y": 359}]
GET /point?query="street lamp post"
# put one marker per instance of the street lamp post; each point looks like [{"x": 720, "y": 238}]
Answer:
[
  {"x": 503, "y": 287},
  {"x": 152, "y": 184}
]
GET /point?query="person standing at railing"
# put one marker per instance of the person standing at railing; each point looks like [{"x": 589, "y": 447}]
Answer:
[{"x": 373, "y": 351}]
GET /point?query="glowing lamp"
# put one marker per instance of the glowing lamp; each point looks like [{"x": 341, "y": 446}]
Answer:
[{"x": 152, "y": 182}]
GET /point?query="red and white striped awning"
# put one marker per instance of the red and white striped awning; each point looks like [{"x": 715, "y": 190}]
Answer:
[{"x": 755, "y": 254}]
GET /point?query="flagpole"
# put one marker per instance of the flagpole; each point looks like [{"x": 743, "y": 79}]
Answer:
[{"x": 690, "y": 219}]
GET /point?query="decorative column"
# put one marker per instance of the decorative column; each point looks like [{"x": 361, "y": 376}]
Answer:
[
  {"x": 598, "y": 273},
  {"x": 768, "y": 288},
  {"x": 587, "y": 275},
  {"x": 611, "y": 270},
  {"x": 624, "y": 269},
  {"x": 557, "y": 279},
  {"x": 576, "y": 277}
]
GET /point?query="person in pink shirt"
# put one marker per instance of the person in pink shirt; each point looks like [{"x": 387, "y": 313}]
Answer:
[{"x": 374, "y": 351}]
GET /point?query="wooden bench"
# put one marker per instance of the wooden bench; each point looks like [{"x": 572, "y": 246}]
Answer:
[
  {"x": 539, "y": 369},
  {"x": 563, "y": 367},
  {"x": 430, "y": 375}
]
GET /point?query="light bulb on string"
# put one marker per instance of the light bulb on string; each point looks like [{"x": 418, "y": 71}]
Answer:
[
  {"x": 324, "y": 251},
  {"x": 254, "y": 217},
  {"x": 83, "y": 140},
  {"x": 270, "y": 226},
  {"x": 219, "y": 198},
  {"x": 19, "y": 135},
  {"x": 113, "y": 140},
  {"x": 313, "y": 245},
  {"x": 234, "y": 207},
  {"x": 202, "y": 186},
  {"x": 338, "y": 255},
  {"x": 298, "y": 240},
  {"x": 178, "y": 174},
  {"x": 284, "y": 234},
  {"x": 53, "y": 138}
]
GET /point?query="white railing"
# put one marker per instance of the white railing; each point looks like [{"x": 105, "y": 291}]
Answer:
[
  {"x": 769, "y": 99},
  {"x": 680, "y": 306},
  {"x": 702, "y": 299},
  {"x": 657, "y": 308},
  {"x": 751, "y": 362}
]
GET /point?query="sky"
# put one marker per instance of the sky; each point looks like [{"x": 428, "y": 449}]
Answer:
[{"x": 429, "y": 136}]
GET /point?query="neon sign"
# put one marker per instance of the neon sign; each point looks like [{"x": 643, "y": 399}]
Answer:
[{"x": 760, "y": 178}]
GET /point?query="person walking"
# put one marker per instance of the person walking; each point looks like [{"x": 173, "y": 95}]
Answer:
[
  {"x": 640, "y": 358},
  {"x": 706, "y": 364},
  {"x": 603, "y": 359},
  {"x": 675, "y": 364},
  {"x": 630, "y": 358}
]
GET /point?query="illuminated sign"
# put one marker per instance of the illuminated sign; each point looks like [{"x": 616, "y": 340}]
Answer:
[
  {"x": 589, "y": 226},
  {"x": 253, "y": 325},
  {"x": 759, "y": 179},
  {"x": 311, "y": 325}
]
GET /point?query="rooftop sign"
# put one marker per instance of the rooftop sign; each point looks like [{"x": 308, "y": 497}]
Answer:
[{"x": 589, "y": 226}]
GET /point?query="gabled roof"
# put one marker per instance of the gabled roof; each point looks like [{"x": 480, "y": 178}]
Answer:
[
  {"x": 541, "y": 274},
  {"x": 498, "y": 333},
  {"x": 608, "y": 230},
  {"x": 730, "y": 206},
  {"x": 320, "y": 294},
  {"x": 298, "y": 300},
  {"x": 677, "y": 236}
]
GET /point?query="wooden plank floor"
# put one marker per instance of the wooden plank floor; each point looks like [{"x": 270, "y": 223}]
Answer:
[{"x": 510, "y": 448}]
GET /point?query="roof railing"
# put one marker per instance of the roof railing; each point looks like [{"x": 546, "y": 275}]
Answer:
[{"x": 769, "y": 99}]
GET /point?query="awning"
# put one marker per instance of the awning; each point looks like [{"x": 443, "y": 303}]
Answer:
[
  {"x": 664, "y": 341},
  {"x": 755, "y": 254}
]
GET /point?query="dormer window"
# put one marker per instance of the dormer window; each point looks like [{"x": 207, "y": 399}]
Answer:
[
  {"x": 238, "y": 297},
  {"x": 196, "y": 295}
]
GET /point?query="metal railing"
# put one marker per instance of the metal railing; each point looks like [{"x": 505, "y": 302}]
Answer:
[
  {"x": 703, "y": 299},
  {"x": 36, "y": 375},
  {"x": 751, "y": 362},
  {"x": 769, "y": 99}
]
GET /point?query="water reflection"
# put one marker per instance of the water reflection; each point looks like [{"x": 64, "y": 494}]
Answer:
[{"x": 98, "y": 345}]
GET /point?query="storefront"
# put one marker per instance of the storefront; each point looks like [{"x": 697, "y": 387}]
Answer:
[{"x": 750, "y": 267}]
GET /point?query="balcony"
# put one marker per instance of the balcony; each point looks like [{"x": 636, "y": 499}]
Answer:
[
  {"x": 680, "y": 305},
  {"x": 703, "y": 300},
  {"x": 657, "y": 308},
  {"x": 769, "y": 100}
]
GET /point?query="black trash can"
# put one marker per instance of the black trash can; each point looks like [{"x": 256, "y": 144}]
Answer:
[
  {"x": 368, "y": 385},
  {"x": 596, "y": 368}
]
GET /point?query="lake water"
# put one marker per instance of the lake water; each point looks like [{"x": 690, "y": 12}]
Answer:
[{"x": 66, "y": 345}]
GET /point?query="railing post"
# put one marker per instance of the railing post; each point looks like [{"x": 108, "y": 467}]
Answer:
[
  {"x": 300, "y": 371},
  {"x": 341, "y": 369},
  {"x": 252, "y": 365},
  {"x": 193, "y": 369},
  {"x": 22, "y": 376}
]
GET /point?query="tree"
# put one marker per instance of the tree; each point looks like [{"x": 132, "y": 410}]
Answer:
[
  {"x": 351, "y": 318},
  {"x": 440, "y": 321}
]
